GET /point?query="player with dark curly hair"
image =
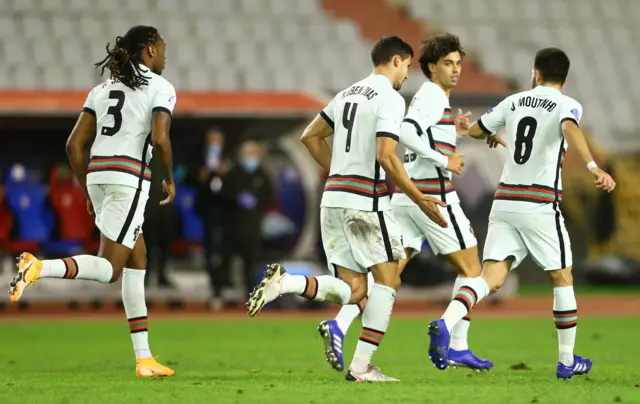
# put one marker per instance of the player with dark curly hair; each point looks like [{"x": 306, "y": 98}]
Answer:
[
  {"x": 124, "y": 121},
  {"x": 430, "y": 120}
]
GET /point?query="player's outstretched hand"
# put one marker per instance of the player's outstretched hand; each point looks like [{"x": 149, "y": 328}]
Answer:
[
  {"x": 603, "y": 180},
  {"x": 90, "y": 207},
  {"x": 169, "y": 188},
  {"x": 494, "y": 140},
  {"x": 455, "y": 163},
  {"x": 462, "y": 122},
  {"x": 429, "y": 205}
]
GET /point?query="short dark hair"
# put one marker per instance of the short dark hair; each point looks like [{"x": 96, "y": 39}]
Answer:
[
  {"x": 124, "y": 58},
  {"x": 387, "y": 47},
  {"x": 553, "y": 65},
  {"x": 437, "y": 47}
]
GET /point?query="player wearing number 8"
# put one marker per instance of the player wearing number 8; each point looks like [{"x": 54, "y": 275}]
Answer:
[
  {"x": 539, "y": 125},
  {"x": 125, "y": 119}
]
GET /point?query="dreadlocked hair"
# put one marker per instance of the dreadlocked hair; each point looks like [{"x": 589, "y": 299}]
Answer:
[{"x": 124, "y": 59}]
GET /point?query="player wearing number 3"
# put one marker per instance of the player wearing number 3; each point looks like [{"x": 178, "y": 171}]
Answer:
[
  {"x": 525, "y": 219},
  {"x": 125, "y": 120}
]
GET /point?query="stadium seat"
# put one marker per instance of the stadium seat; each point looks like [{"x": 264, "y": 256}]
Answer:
[
  {"x": 28, "y": 204},
  {"x": 192, "y": 227}
]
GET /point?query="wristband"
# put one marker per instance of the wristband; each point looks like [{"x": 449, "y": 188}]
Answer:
[{"x": 591, "y": 165}]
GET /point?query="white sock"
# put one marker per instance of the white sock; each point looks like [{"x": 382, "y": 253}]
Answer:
[
  {"x": 460, "y": 332},
  {"x": 348, "y": 313},
  {"x": 471, "y": 291},
  {"x": 87, "y": 267},
  {"x": 325, "y": 288},
  {"x": 565, "y": 315},
  {"x": 375, "y": 321},
  {"x": 136, "y": 309}
]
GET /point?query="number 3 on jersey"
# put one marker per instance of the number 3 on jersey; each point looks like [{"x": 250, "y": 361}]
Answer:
[
  {"x": 348, "y": 118},
  {"x": 116, "y": 112},
  {"x": 524, "y": 139}
]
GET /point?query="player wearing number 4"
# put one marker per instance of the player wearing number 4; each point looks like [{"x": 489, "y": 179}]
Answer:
[
  {"x": 429, "y": 120},
  {"x": 125, "y": 120},
  {"x": 359, "y": 232},
  {"x": 539, "y": 124}
]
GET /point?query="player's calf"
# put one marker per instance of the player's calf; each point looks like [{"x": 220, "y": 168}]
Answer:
[{"x": 277, "y": 282}]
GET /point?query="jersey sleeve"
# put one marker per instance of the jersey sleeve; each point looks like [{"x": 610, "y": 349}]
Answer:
[
  {"x": 571, "y": 111},
  {"x": 390, "y": 117},
  {"x": 164, "y": 98},
  {"x": 411, "y": 139},
  {"x": 494, "y": 119},
  {"x": 425, "y": 112},
  {"x": 89, "y": 103},
  {"x": 328, "y": 113}
]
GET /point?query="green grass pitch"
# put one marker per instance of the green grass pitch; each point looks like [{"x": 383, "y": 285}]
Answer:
[{"x": 272, "y": 360}]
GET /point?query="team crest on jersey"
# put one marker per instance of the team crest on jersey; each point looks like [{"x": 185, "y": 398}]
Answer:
[{"x": 576, "y": 114}]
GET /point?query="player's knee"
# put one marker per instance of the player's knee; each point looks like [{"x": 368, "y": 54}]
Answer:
[
  {"x": 389, "y": 279},
  {"x": 561, "y": 278},
  {"x": 358, "y": 292},
  {"x": 469, "y": 270}
]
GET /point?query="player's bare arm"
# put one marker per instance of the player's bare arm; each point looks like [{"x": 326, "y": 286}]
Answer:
[
  {"x": 313, "y": 138},
  {"x": 160, "y": 128},
  {"x": 82, "y": 135},
  {"x": 493, "y": 139},
  {"x": 413, "y": 142},
  {"x": 389, "y": 161},
  {"x": 576, "y": 139}
]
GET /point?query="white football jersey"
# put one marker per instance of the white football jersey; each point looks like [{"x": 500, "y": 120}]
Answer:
[
  {"x": 532, "y": 176},
  {"x": 122, "y": 149},
  {"x": 368, "y": 109},
  {"x": 431, "y": 118}
]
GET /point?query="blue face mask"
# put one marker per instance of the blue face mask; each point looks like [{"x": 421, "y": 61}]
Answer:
[
  {"x": 214, "y": 150},
  {"x": 213, "y": 156},
  {"x": 250, "y": 164}
]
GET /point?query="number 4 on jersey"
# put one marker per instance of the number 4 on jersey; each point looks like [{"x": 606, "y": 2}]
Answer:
[{"x": 348, "y": 118}]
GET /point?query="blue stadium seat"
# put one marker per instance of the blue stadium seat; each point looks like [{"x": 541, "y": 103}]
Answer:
[
  {"x": 28, "y": 204},
  {"x": 290, "y": 194},
  {"x": 192, "y": 226}
]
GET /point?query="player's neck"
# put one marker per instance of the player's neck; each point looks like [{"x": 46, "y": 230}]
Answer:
[
  {"x": 551, "y": 85},
  {"x": 446, "y": 90},
  {"x": 382, "y": 71}
]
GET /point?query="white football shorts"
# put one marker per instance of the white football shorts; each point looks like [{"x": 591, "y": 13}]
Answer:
[
  {"x": 416, "y": 227},
  {"x": 119, "y": 212},
  {"x": 358, "y": 240},
  {"x": 543, "y": 235}
]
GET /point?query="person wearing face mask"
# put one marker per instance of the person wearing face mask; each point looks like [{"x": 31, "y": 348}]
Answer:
[
  {"x": 248, "y": 192},
  {"x": 209, "y": 206}
]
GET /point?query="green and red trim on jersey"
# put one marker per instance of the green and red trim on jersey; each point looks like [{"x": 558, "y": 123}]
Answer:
[
  {"x": 121, "y": 164},
  {"x": 356, "y": 184},
  {"x": 527, "y": 193},
  {"x": 445, "y": 148},
  {"x": 447, "y": 117},
  {"x": 432, "y": 186}
]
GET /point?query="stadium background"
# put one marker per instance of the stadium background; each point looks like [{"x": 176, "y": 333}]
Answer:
[{"x": 260, "y": 69}]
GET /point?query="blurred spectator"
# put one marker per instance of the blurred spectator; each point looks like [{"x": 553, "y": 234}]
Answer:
[
  {"x": 248, "y": 192},
  {"x": 158, "y": 228},
  {"x": 209, "y": 206}
]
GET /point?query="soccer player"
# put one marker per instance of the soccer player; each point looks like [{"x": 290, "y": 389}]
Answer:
[
  {"x": 125, "y": 120},
  {"x": 429, "y": 119},
  {"x": 359, "y": 233},
  {"x": 525, "y": 218}
]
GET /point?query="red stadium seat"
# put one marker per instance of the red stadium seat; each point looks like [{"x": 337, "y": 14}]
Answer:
[{"x": 69, "y": 204}]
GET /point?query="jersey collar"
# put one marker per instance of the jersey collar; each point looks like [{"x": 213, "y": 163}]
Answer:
[
  {"x": 381, "y": 78},
  {"x": 547, "y": 90}
]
